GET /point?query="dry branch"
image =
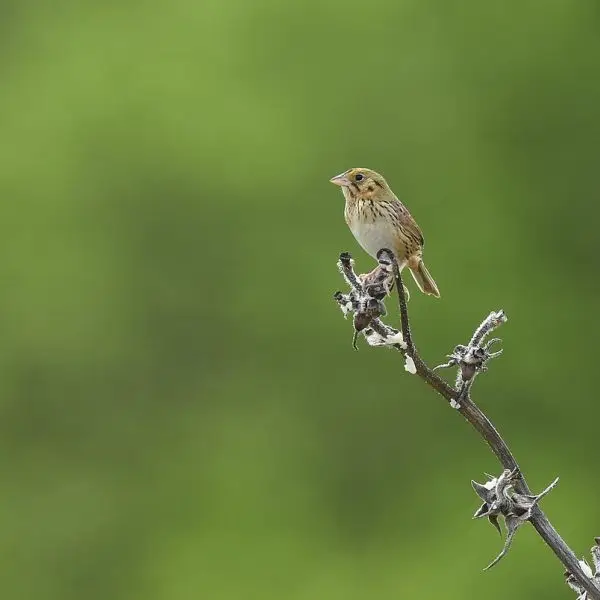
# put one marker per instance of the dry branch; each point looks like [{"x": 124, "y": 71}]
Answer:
[{"x": 506, "y": 496}]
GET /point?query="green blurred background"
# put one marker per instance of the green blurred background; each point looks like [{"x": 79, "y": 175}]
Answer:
[{"x": 182, "y": 415}]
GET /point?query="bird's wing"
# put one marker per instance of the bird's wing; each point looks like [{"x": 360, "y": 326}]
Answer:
[{"x": 409, "y": 227}]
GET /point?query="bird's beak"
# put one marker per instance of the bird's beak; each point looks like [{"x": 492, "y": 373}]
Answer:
[{"x": 341, "y": 180}]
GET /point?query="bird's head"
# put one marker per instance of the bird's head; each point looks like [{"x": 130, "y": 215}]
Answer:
[{"x": 363, "y": 184}]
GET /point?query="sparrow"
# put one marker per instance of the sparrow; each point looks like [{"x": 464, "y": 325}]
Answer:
[{"x": 378, "y": 220}]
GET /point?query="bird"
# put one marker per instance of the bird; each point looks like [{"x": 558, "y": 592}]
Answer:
[{"x": 378, "y": 220}]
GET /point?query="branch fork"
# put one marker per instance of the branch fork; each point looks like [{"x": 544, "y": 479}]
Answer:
[
  {"x": 365, "y": 302},
  {"x": 471, "y": 359}
]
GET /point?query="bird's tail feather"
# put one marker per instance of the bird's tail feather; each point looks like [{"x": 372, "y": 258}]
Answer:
[{"x": 424, "y": 280}]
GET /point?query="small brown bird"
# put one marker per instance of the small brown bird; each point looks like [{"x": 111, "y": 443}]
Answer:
[{"x": 379, "y": 220}]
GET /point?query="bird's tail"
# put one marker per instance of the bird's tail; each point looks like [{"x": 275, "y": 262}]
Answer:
[{"x": 424, "y": 280}]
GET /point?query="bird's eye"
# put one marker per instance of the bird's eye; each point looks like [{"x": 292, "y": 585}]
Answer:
[{"x": 359, "y": 177}]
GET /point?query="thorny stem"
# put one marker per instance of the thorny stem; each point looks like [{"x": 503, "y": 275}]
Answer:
[{"x": 478, "y": 420}]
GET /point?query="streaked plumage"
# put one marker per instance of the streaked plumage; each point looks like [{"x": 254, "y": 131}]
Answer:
[{"x": 379, "y": 220}]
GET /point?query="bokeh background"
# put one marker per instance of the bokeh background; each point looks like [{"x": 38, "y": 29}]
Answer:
[{"x": 182, "y": 415}]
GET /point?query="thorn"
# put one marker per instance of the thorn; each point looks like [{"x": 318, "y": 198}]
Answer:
[
  {"x": 507, "y": 544},
  {"x": 481, "y": 490},
  {"x": 492, "y": 342},
  {"x": 493, "y": 519},
  {"x": 547, "y": 490},
  {"x": 450, "y": 363}
]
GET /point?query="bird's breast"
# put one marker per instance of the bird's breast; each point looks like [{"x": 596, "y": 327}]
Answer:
[{"x": 372, "y": 232}]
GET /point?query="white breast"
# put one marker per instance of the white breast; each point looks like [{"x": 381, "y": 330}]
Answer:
[{"x": 374, "y": 236}]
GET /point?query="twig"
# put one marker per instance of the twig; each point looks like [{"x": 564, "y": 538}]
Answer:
[{"x": 521, "y": 505}]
